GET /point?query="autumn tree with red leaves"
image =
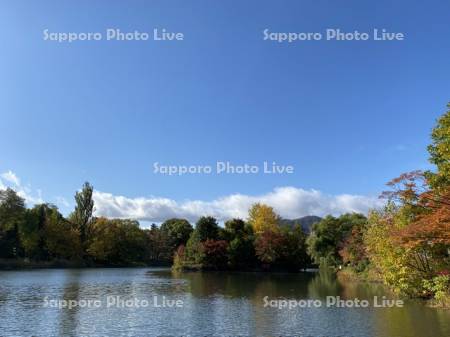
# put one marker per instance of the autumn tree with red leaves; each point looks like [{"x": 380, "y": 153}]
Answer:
[{"x": 414, "y": 250}]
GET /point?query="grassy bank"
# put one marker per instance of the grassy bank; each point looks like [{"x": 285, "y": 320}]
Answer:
[{"x": 439, "y": 299}]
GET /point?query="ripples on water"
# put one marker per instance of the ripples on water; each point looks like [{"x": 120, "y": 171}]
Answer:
[{"x": 214, "y": 304}]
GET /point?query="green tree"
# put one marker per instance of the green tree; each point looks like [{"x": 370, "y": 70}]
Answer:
[
  {"x": 293, "y": 255},
  {"x": 12, "y": 209},
  {"x": 12, "y": 213},
  {"x": 194, "y": 253},
  {"x": 177, "y": 231},
  {"x": 207, "y": 228},
  {"x": 117, "y": 242},
  {"x": 160, "y": 249},
  {"x": 328, "y": 235},
  {"x": 439, "y": 151},
  {"x": 241, "y": 250},
  {"x": 62, "y": 239},
  {"x": 82, "y": 216},
  {"x": 33, "y": 230},
  {"x": 236, "y": 227}
]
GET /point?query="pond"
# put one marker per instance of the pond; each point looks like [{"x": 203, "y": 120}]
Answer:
[{"x": 154, "y": 301}]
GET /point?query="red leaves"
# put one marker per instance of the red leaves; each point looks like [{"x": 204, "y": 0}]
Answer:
[
  {"x": 429, "y": 229},
  {"x": 408, "y": 187},
  {"x": 430, "y": 212},
  {"x": 215, "y": 253},
  {"x": 432, "y": 227},
  {"x": 215, "y": 247},
  {"x": 267, "y": 246},
  {"x": 408, "y": 176}
]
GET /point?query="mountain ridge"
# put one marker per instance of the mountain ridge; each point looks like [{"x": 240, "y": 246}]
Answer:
[{"x": 306, "y": 222}]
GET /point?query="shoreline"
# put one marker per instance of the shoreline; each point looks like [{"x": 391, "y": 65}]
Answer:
[
  {"x": 24, "y": 264},
  {"x": 348, "y": 275}
]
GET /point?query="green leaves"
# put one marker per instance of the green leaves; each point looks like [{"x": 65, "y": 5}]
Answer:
[
  {"x": 439, "y": 151},
  {"x": 328, "y": 237},
  {"x": 177, "y": 231},
  {"x": 83, "y": 215}
]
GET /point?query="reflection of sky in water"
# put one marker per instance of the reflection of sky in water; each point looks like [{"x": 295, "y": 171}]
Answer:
[{"x": 214, "y": 304}]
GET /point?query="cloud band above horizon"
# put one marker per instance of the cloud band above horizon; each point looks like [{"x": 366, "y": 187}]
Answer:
[{"x": 289, "y": 202}]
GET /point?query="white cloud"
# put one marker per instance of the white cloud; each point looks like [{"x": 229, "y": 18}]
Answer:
[
  {"x": 11, "y": 178},
  {"x": 289, "y": 202},
  {"x": 30, "y": 198}
]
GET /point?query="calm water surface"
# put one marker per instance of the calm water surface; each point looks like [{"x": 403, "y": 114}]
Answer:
[{"x": 213, "y": 304}]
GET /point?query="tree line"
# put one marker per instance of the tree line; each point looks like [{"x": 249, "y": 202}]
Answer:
[{"x": 43, "y": 234}]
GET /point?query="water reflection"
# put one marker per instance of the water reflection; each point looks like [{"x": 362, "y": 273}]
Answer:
[
  {"x": 214, "y": 304},
  {"x": 71, "y": 291}
]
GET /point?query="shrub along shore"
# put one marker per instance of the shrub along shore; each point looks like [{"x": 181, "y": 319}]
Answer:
[{"x": 405, "y": 244}]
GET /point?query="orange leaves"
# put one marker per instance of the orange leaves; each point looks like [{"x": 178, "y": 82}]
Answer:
[
  {"x": 432, "y": 226},
  {"x": 407, "y": 188},
  {"x": 429, "y": 229}
]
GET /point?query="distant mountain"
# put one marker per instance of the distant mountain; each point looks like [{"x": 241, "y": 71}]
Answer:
[{"x": 306, "y": 222}]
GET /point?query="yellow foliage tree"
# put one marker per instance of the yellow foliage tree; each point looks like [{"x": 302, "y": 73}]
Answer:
[
  {"x": 262, "y": 217},
  {"x": 391, "y": 261}
]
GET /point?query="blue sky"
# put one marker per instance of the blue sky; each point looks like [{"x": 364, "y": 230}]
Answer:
[{"x": 348, "y": 115}]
